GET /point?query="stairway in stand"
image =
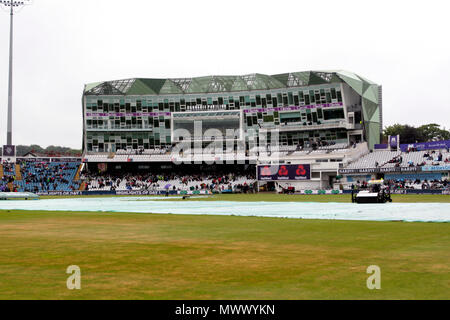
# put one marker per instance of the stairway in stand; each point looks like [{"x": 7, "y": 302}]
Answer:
[
  {"x": 18, "y": 172},
  {"x": 77, "y": 175},
  {"x": 82, "y": 186},
  {"x": 1, "y": 171}
]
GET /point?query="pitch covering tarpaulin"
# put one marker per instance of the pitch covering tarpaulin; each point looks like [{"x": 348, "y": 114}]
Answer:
[{"x": 430, "y": 212}]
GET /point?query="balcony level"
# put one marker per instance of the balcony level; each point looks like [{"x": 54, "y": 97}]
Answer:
[
  {"x": 299, "y": 126},
  {"x": 119, "y": 128}
]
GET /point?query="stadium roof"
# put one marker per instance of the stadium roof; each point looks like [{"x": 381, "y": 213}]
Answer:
[{"x": 218, "y": 84}]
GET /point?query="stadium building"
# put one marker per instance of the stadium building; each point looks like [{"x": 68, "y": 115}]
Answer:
[
  {"x": 306, "y": 132},
  {"x": 312, "y": 122}
]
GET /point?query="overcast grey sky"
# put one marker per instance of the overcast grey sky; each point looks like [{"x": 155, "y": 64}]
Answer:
[{"x": 61, "y": 45}]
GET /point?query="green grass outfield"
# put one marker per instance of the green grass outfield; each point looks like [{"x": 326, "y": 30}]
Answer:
[{"x": 153, "y": 256}]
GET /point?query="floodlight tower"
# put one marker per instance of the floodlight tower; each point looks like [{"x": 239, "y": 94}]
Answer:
[{"x": 12, "y": 6}]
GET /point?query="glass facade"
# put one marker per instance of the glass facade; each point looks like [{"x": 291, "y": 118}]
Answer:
[
  {"x": 134, "y": 122},
  {"x": 140, "y": 113}
]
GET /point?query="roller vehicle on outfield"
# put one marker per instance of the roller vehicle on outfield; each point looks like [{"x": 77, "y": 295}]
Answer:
[{"x": 375, "y": 193}]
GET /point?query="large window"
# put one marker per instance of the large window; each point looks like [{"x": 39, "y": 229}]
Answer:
[{"x": 333, "y": 114}]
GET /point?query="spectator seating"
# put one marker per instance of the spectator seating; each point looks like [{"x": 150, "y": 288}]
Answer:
[
  {"x": 370, "y": 159},
  {"x": 49, "y": 176},
  {"x": 389, "y": 159},
  {"x": 8, "y": 181},
  {"x": 161, "y": 182},
  {"x": 418, "y": 184},
  {"x": 9, "y": 169}
]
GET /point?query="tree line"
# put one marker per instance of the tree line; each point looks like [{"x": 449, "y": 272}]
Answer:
[
  {"x": 411, "y": 134},
  {"x": 50, "y": 151}
]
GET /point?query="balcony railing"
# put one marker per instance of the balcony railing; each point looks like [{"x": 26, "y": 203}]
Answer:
[
  {"x": 119, "y": 128},
  {"x": 298, "y": 126}
]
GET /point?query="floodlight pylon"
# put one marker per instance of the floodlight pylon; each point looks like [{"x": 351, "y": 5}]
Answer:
[{"x": 12, "y": 6}]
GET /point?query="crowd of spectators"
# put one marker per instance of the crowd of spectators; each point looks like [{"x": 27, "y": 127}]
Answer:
[
  {"x": 418, "y": 184},
  {"x": 171, "y": 181},
  {"x": 45, "y": 176},
  {"x": 39, "y": 176},
  {"x": 7, "y": 182},
  {"x": 408, "y": 184},
  {"x": 396, "y": 160},
  {"x": 435, "y": 156}
]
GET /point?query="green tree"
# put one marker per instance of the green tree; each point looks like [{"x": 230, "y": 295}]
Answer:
[
  {"x": 433, "y": 132},
  {"x": 408, "y": 134},
  {"x": 53, "y": 151}
]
